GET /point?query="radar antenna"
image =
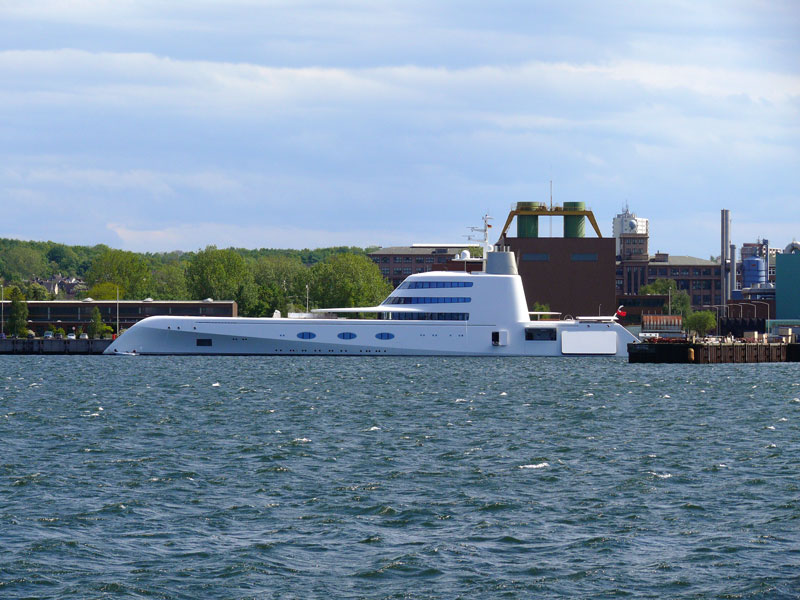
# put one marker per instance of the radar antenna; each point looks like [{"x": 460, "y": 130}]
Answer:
[{"x": 484, "y": 241}]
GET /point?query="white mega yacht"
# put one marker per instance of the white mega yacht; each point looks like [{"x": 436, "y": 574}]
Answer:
[{"x": 434, "y": 313}]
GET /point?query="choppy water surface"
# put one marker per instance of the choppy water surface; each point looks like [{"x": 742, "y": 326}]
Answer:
[{"x": 397, "y": 478}]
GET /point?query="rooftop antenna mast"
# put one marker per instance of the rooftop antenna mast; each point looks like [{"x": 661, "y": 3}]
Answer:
[
  {"x": 485, "y": 240},
  {"x": 551, "y": 207}
]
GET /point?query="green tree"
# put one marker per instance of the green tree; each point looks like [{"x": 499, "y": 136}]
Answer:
[
  {"x": 702, "y": 321},
  {"x": 18, "y": 313},
  {"x": 281, "y": 283},
  {"x": 96, "y": 325},
  {"x": 105, "y": 291},
  {"x": 126, "y": 269},
  {"x": 169, "y": 282},
  {"x": 222, "y": 275},
  {"x": 660, "y": 287},
  {"x": 346, "y": 280},
  {"x": 36, "y": 291},
  {"x": 22, "y": 262},
  {"x": 540, "y": 307},
  {"x": 678, "y": 302},
  {"x": 64, "y": 259}
]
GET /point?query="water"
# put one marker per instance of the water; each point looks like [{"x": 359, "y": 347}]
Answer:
[{"x": 167, "y": 477}]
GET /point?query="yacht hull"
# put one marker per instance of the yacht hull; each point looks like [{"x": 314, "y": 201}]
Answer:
[{"x": 359, "y": 337}]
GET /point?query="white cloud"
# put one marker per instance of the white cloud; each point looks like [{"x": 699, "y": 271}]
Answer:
[
  {"x": 224, "y": 235},
  {"x": 55, "y": 77},
  {"x": 158, "y": 183}
]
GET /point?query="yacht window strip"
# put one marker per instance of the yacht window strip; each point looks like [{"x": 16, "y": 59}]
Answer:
[
  {"x": 424, "y": 285},
  {"x": 427, "y": 300},
  {"x": 429, "y": 316}
]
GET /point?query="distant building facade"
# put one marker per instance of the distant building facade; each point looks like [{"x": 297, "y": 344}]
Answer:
[
  {"x": 787, "y": 283},
  {"x": 573, "y": 275},
  {"x": 398, "y": 262},
  {"x": 635, "y": 268},
  {"x": 71, "y": 315},
  {"x": 626, "y": 225}
]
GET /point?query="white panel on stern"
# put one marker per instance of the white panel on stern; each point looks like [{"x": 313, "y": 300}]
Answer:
[{"x": 588, "y": 342}]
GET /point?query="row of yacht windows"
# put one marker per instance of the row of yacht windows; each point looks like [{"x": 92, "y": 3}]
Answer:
[
  {"x": 310, "y": 335},
  {"x": 424, "y": 285},
  {"x": 426, "y": 300},
  {"x": 429, "y": 316}
]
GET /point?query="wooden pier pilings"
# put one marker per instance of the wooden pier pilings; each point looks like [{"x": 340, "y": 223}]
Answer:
[{"x": 709, "y": 353}]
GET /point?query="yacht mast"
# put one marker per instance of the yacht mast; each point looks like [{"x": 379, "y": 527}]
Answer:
[{"x": 487, "y": 247}]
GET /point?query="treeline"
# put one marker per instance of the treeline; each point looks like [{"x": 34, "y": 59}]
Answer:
[{"x": 261, "y": 281}]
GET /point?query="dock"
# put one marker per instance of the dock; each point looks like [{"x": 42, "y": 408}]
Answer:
[
  {"x": 704, "y": 353},
  {"x": 52, "y": 346}
]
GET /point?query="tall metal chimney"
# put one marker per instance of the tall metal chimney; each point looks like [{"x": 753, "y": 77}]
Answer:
[
  {"x": 725, "y": 231},
  {"x": 732, "y": 283}
]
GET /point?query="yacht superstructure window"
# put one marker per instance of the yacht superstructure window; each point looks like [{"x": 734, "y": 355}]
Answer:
[
  {"x": 424, "y": 285},
  {"x": 426, "y": 300},
  {"x": 429, "y": 316},
  {"x": 540, "y": 334}
]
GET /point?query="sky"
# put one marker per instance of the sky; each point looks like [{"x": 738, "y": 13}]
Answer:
[{"x": 154, "y": 126}]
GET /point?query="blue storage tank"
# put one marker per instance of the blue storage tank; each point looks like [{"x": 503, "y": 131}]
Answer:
[{"x": 753, "y": 272}]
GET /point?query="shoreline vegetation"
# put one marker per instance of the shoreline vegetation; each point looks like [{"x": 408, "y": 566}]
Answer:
[{"x": 261, "y": 281}]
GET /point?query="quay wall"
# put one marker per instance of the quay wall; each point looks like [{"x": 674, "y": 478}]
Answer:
[
  {"x": 42, "y": 346},
  {"x": 700, "y": 353}
]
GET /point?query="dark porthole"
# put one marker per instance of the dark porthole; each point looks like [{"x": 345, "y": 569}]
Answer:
[
  {"x": 306, "y": 335},
  {"x": 346, "y": 335},
  {"x": 384, "y": 336}
]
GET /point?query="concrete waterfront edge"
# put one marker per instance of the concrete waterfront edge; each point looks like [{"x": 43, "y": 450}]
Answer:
[
  {"x": 46, "y": 346},
  {"x": 700, "y": 353}
]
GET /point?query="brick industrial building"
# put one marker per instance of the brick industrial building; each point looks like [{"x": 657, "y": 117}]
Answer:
[{"x": 572, "y": 274}]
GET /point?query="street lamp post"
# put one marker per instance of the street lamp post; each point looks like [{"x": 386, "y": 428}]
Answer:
[
  {"x": 716, "y": 309},
  {"x": 767, "y": 303},
  {"x": 755, "y": 308},
  {"x": 725, "y": 314},
  {"x": 2, "y": 311},
  {"x": 117, "y": 311}
]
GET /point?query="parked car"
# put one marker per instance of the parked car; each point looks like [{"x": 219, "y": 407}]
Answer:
[
  {"x": 31, "y": 334},
  {"x": 70, "y": 336},
  {"x": 48, "y": 335},
  {"x": 84, "y": 336}
]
